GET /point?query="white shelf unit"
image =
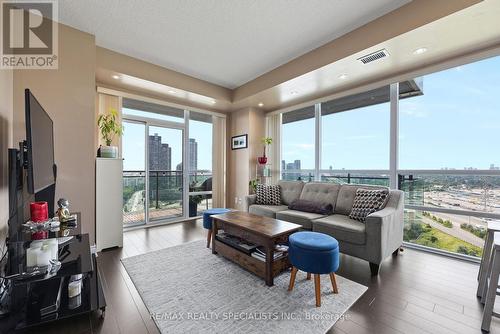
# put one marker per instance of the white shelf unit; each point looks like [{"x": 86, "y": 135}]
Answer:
[{"x": 109, "y": 203}]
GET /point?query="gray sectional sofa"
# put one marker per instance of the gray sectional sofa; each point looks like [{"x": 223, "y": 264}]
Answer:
[{"x": 373, "y": 241}]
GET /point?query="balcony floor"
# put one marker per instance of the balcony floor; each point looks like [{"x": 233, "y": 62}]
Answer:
[{"x": 416, "y": 292}]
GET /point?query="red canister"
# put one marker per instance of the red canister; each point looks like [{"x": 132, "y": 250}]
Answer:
[{"x": 39, "y": 213}]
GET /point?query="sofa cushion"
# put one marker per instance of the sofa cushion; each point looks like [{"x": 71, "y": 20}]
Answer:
[
  {"x": 342, "y": 228},
  {"x": 346, "y": 196},
  {"x": 320, "y": 192},
  {"x": 311, "y": 206},
  {"x": 298, "y": 217},
  {"x": 268, "y": 194},
  {"x": 290, "y": 191},
  {"x": 266, "y": 210},
  {"x": 368, "y": 201}
]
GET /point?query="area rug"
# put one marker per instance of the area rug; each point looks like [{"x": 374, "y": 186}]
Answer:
[{"x": 187, "y": 289}]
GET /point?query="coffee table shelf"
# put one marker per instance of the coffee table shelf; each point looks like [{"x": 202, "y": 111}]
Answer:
[{"x": 263, "y": 231}]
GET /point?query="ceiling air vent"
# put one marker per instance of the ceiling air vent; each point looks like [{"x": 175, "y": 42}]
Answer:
[{"x": 374, "y": 56}]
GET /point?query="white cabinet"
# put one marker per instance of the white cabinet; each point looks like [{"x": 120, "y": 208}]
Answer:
[{"x": 109, "y": 203}]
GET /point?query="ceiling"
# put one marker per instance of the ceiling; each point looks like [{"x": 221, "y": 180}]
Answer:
[
  {"x": 465, "y": 36},
  {"x": 225, "y": 42}
]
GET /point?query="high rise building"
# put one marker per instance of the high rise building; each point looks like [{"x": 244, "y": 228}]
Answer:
[
  {"x": 296, "y": 164},
  {"x": 160, "y": 154},
  {"x": 193, "y": 154}
]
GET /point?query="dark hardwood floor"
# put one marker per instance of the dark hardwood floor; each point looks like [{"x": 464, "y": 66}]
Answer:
[{"x": 414, "y": 293}]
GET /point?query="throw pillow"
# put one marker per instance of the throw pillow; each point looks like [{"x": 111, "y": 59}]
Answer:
[
  {"x": 268, "y": 195},
  {"x": 368, "y": 201},
  {"x": 311, "y": 206}
]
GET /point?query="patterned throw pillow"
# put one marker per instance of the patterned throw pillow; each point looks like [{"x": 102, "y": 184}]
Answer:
[
  {"x": 368, "y": 201},
  {"x": 268, "y": 195}
]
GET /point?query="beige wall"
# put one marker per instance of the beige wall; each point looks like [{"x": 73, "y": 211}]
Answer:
[
  {"x": 68, "y": 96},
  {"x": 6, "y": 110},
  {"x": 241, "y": 163}
]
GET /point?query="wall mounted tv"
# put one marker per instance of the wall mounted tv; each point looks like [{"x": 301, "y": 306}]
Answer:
[{"x": 40, "y": 146}]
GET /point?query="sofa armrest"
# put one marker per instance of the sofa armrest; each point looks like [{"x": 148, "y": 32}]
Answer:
[
  {"x": 384, "y": 228},
  {"x": 249, "y": 200}
]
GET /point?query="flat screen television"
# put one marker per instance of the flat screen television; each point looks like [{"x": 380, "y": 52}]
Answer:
[{"x": 40, "y": 146}]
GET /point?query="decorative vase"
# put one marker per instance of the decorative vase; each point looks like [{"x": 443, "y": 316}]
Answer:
[
  {"x": 262, "y": 160},
  {"x": 109, "y": 152}
]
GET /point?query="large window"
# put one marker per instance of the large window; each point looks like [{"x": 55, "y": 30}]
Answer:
[
  {"x": 355, "y": 132},
  {"x": 134, "y": 173},
  {"x": 297, "y": 160},
  {"x": 200, "y": 166},
  {"x": 455, "y": 124},
  {"x": 448, "y": 167},
  {"x": 167, "y": 162}
]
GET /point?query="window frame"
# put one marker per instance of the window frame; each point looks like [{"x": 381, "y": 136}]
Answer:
[{"x": 394, "y": 172}]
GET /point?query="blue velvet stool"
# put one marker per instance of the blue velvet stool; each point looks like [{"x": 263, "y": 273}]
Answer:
[
  {"x": 315, "y": 253},
  {"x": 207, "y": 221}
]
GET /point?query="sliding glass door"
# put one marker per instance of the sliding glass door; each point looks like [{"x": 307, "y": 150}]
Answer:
[
  {"x": 165, "y": 186},
  {"x": 153, "y": 152},
  {"x": 167, "y": 155},
  {"x": 134, "y": 173}
]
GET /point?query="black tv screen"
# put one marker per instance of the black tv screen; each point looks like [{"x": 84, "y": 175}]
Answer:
[{"x": 40, "y": 145}]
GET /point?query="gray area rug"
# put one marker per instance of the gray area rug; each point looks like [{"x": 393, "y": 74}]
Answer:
[{"x": 187, "y": 289}]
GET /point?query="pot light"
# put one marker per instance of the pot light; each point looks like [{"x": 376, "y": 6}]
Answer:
[
  {"x": 261, "y": 104},
  {"x": 116, "y": 77},
  {"x": 171, "y": 91},
  {"x": 294, "y": 92},
  {"x": 419, "y": 51},
  {"x": 343, "y": 76}
]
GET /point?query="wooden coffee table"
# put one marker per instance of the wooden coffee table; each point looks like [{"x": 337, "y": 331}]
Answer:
[{"x": 262, "y": 231}]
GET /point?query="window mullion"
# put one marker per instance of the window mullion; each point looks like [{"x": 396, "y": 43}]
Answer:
[{"x": 317, "y": 146}]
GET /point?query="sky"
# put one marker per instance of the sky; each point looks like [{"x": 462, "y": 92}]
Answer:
[
  {"x": 455, "y": 124},
  {"x": 134, "y": 142}
]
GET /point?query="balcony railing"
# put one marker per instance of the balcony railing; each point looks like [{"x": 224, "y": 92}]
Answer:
[
  {"x": 165, "y": 194},
  {"x": 446, "y": 210}
]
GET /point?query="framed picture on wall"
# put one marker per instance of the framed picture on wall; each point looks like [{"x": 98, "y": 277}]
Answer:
[{"x": 239, "y": 142}]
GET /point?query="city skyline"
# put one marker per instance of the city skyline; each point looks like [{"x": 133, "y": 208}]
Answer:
[
  {"x": 160, "y": 154},
  {"x": 133, "y": 143}
]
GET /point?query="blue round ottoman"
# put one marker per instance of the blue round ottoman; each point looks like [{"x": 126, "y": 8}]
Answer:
[
  {"x": 207, "y": 221},
  {"x": 315, "y": 253}
]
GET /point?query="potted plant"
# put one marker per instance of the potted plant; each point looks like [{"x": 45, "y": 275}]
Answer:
[
  {"x": 266, "y": 141},
  {"x": 193, "y": 204},
  {"x": 109, "y": 128},
  {"x": 253, "y": 185}
]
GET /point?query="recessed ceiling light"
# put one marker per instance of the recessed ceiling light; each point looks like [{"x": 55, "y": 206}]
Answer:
[
  {"x": 343, "y": 76},
  {"x": 419, "y": 51},
  {"x": 116, "y": 77},
  {"x": 294, "y": 92},
  {"x": 171, "y": 91},
  {"x": 261, "y": 104}
]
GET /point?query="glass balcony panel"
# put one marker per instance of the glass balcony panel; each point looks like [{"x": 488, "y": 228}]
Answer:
[
  {"x": 297, "y": 174},
  {"x": 134, "y": 203},
  {"x": 452, "y": 233},
  {"x": 459, "y": 192},
  {"x": 165, "y": 194},
  {"x": 355, "y": 178}
]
